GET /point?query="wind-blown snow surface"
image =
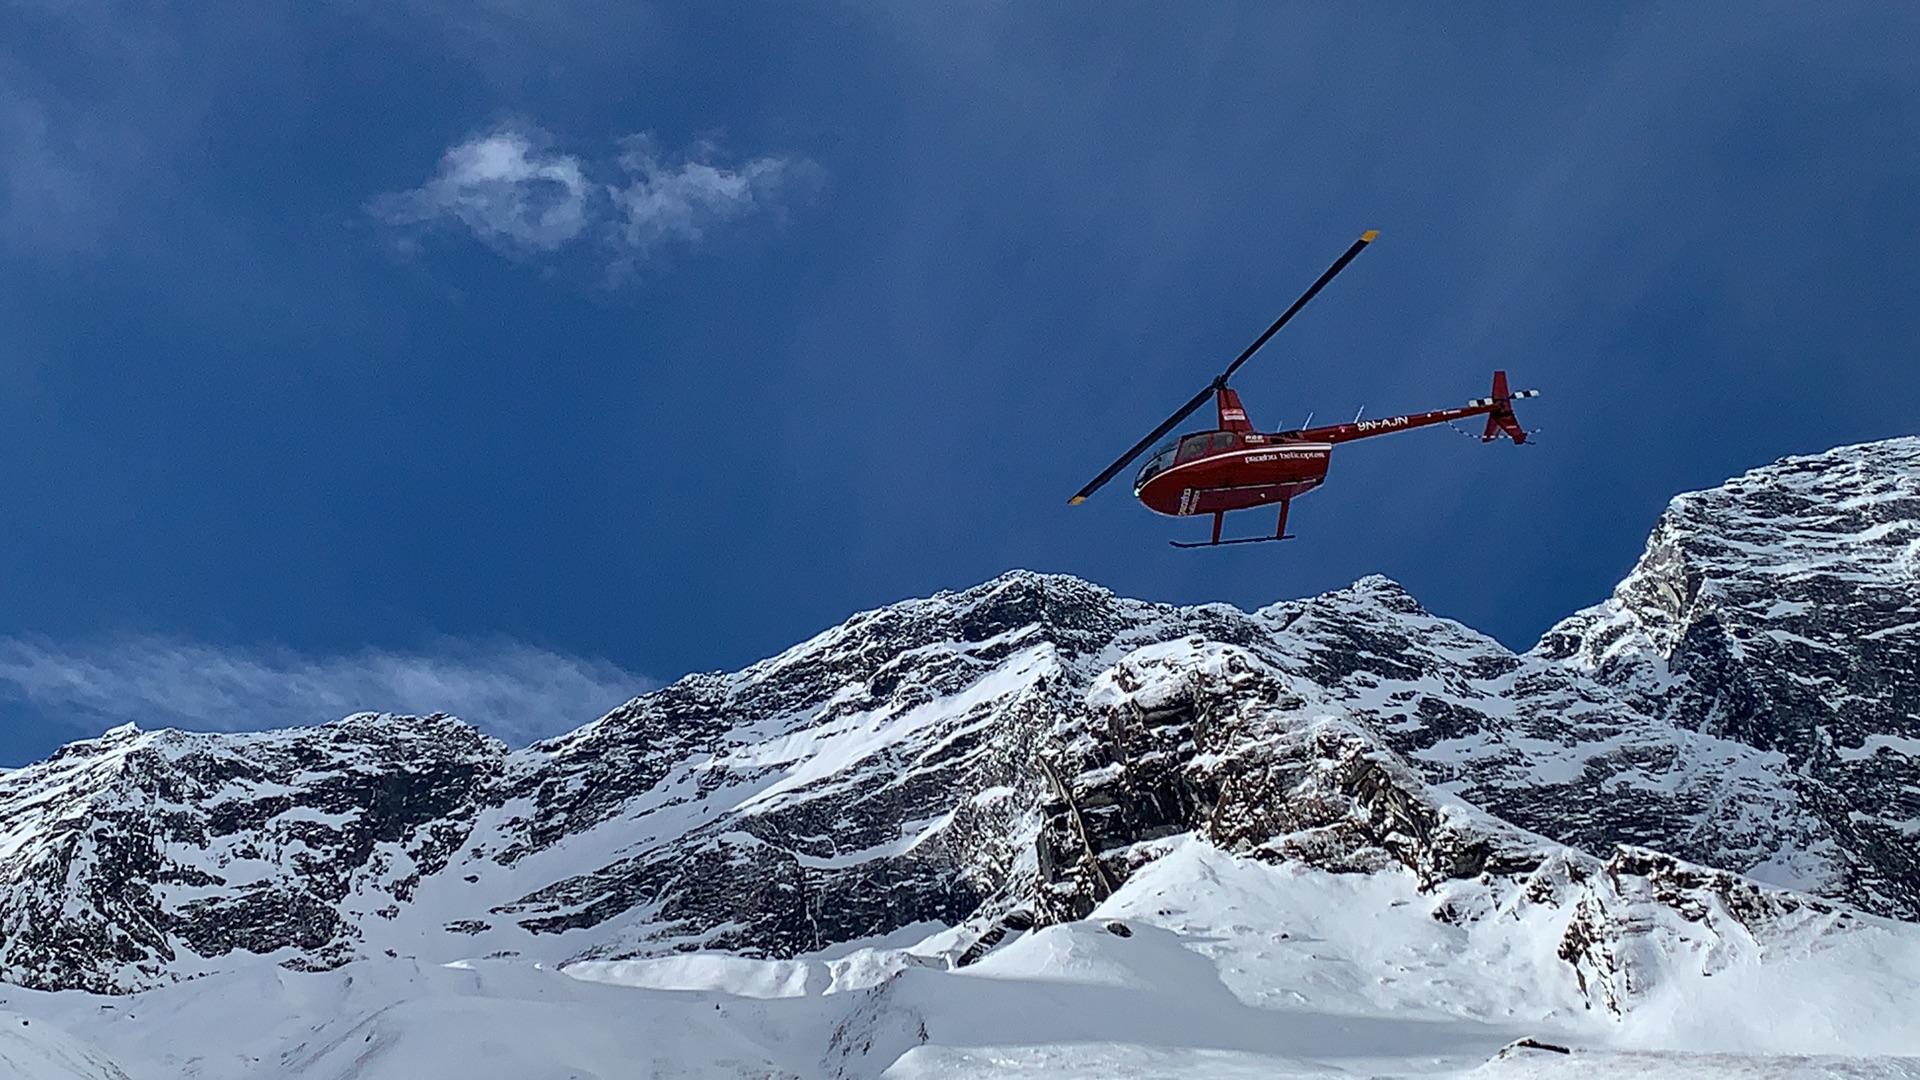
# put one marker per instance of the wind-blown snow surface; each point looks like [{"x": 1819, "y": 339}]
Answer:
[{"x": 1035, "y": 829}]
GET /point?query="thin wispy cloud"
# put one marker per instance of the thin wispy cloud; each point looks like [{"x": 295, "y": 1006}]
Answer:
[
  {"x": 665, "y": 199},
  {"x": 514, "y": 192},
  {"x": 514, "y": 692},
  {"x": 503, "y": 188}
]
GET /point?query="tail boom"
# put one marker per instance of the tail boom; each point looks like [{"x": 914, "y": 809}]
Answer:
[{"x": 1498, "y": 409}]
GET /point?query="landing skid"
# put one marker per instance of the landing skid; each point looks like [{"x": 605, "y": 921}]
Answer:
[
  {"x": 1230, "y": 543},
  {"x": 1279, "y": 532}
]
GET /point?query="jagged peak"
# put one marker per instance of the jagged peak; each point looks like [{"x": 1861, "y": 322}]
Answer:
[
  {"x": 124, "y": 744},
  {"x": 1084, "y": 619},
  {"x": 1026, "y": 594},
  {"x": 1852, "y": 511},
  {"x": 1898, "y": 454},
  {"x": 1019, "y": 577},
  {"x": 1374, "y": 591},
  {"x": 1010, "y": 601},
  {"x": 384, "y": 724},
  {"x": 1844, "y": 478},
  {"x": 117, "y": 740},
  {"x": 1383, "y": 590}
]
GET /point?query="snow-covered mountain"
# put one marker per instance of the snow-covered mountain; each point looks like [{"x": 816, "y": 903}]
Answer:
[
  {"x": 1781, "y": 612},
  {"x": 1026, "y": 753}
]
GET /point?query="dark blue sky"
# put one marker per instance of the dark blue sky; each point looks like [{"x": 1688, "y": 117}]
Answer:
[{"x": 290, "y": 386}]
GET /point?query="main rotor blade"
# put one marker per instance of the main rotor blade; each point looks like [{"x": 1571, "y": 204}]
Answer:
[
  {"x": 1126, "y": 459},
  {"x": 1200, "y": 399},
  {"x": 1312, "y": 291}
]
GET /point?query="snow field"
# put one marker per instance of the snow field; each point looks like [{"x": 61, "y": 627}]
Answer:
[{"x": 1204, "y": 966}]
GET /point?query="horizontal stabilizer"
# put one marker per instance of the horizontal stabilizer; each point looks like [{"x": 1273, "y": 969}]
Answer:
[{"x": 1480, "y": 402}]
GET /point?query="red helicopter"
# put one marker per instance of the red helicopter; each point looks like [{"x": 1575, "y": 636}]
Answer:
[{"x": 1234, "y": 467}]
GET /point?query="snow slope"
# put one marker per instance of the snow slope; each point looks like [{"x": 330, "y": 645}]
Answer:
[{"x": 1204, "y": 965}]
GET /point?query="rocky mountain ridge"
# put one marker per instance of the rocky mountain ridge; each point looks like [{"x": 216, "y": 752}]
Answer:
[{"x": 1009, "y": 755}]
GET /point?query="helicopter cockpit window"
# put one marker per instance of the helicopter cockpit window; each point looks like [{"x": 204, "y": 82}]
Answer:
[
  {"x": 1157, "y": 464},
  {"x": 1223, "y": 440},
  {"x": 1191, "y": 447}
]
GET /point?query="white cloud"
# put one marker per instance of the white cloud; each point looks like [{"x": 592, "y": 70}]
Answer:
[
  {"x": 665, "y": 200},
  {"x": 504, "y": 189},
  {"x": 520, "y": 198},
  {"x": 515, "y": 692}
]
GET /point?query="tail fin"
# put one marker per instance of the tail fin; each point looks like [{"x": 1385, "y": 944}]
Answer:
[{"x": 1501, "y": 419}]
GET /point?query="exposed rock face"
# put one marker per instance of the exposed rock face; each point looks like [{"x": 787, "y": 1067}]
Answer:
[
  {"x": 1781, "y": 611},
  {"x": 1195, "y": 735},
  {"x": 1644, "y": 913},
  {"x": 1010, "y": 754},
  {"x": 135, "y": 857},
  {"x": 880, "y": 775}
]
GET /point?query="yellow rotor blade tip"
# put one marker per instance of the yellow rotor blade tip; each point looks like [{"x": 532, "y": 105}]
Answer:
[
  {"x": 1369, "y": 235},
  {"x": 1076, "y": 500}
]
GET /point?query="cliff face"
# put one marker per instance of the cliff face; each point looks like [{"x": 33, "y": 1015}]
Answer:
[
  {"x": 137, "y": 858},
  {"x": 1781, "y": 612},
  {"x": 1012, "y": 754}
]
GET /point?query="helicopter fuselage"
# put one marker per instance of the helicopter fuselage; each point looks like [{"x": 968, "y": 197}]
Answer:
[
  {"x": 1217, "y": 471},
  {"x": 1235, "y": 467}
]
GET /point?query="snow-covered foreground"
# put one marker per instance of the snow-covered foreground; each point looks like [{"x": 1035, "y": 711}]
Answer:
[{"x": 1203, "y": 965}]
